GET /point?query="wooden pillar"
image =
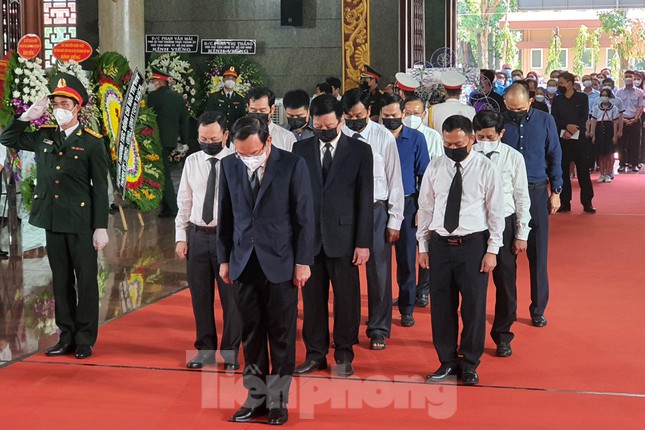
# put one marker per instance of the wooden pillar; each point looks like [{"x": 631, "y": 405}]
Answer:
[{"x": 356, "y": 41}]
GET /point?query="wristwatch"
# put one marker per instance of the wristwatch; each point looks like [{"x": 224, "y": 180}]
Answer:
[{"x": 557, "y": 190}]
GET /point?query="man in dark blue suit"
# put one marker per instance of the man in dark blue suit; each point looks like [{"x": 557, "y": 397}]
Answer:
[
  {"x": 266, "y": 232},
  {"x": 342, "y": 181}
]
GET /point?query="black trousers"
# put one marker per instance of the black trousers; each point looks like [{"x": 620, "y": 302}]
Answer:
[
  {"x": 423, "y": 283},
  {"x": 169, "y": 200},
  {"x": 379, "y": 278},
  {"x": 202, "y": 271},
  {"x": 268, "y": 313},
  {"x": 538, "y": 247},
  {"x": 72, "y": 258},
  {"x": 505, "y": 279},
  {"x": 577, "y": 151},
  {"x": 630, "y": 144},
  {"x": 454, "y": 271},
  {"x": 406, "y": 258},
  {"x": 347, "y": 308}
]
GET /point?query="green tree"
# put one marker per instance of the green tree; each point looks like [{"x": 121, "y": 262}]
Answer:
[
  {"x": 553, "y": 57},
  {"x": 506, "y": 44},
  {"x": 594, "y": 44},
  {"x": 579, "y": 48},
  {"x": 626, "y": 36},
  {"x": 479, "y": 29}
]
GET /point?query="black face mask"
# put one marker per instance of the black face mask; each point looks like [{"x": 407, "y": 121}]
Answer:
[
  {"x": 296, "y": 123},
  {"x": 211, "y": 148},
  {"x": 356, "y": 124},
  {"x": 365, "y": 86},
  {"x": 517, "y": 116},
  {"x": 259, "y": 115},
  {"x": 392, "y": 123},
  {"x": 457, "y": 154},
  {"x": 326, "y": 135},
  {"x": 562, "y": 89}
]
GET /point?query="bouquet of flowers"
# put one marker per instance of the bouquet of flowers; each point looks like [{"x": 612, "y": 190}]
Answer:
[
  {"x": 250, "y": 74},
  {"x": 183, "y": 77},
  {"x": 144, "y": 178}
]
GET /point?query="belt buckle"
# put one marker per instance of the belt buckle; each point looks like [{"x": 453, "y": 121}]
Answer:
[{"x": 455, "y": 241}]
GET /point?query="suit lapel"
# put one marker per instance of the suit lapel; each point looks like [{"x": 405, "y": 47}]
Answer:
[
  {"x": 317, "y": 163},
  {"x": 342, "y": 151},
  {"x": 244, "y": 181},
  {"x": 269, "y": 173}
]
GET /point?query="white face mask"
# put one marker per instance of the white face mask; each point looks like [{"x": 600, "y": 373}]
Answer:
[
  {"x": 229, "y": 84},
  {"x": 151, "y": 87},
  {"x": 629, "y": 81},
  {"x": 586, "y": 84},
  {"x": 412, "y": 121},
  {"x": 487, "y": 145},
  {"x": 604, "y": 99},
  {"x": 253, "y": 162},
  {"x": 539, "y": 98},
  {"x": 551, "y": 90},
  {"x": 637, "y": 83},
  {"x": 63, "y": 116},
  {"x": 500, "y": 82}
]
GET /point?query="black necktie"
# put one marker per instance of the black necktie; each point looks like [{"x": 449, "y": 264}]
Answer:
[
  {"x": 255, "y": 184},
  {"x": 490, "y": 155},
  {"x": 326, "y": 164},
  {"x": 209, "y": 198},
  {"x": 451, "y": 218},
  {"x": 357, "y": 136},
  {"x": 63, "y": 136}
]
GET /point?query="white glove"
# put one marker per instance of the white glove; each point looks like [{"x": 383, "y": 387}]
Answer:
[
  {"x": 100, "y": 238},
  {"x": 36, "y": 110}
]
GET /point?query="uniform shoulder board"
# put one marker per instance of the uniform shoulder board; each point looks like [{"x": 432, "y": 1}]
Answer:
[
  {"x": 93, "y": 133},
  {"x": 49, "y": 126}
]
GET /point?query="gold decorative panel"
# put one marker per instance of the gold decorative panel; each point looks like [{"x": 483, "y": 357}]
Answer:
[{"x": 356, "y": 41}]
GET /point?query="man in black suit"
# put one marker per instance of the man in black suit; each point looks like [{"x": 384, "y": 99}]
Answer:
[
  {"x": 266, "y": 232},
  {"x": 341, "y": 174}
]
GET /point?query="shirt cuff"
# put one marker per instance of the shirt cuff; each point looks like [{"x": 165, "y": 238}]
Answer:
[
  {"x": 394, "y": 224},
  {"x": 180, "y": 236},
  {"x": 423, "y": 246},
  {"x": 302, "y": 265},
  {"x": 522, "y": 234},
  {"x": 492, "y": 249}
]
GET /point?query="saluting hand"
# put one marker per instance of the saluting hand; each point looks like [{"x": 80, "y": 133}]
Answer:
[
  {"x": 181, "y": 249},
  {"x": 301, "y": 274},
  {"x": 361, "y": 255},
  {"x": 36, "y": 110}
]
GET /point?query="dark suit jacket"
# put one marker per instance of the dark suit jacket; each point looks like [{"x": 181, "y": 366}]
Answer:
[
  {"x": 279, "y": 226},
  {"x": 172, "y": 116},
  {"x": 344, "y": 206}
]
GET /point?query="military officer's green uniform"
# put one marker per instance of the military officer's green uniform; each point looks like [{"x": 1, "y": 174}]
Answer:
[
  {"x": 375, "y": 95},
  {"x": 172, "y": 118},
  {"x": 70, "y": 201},
  {"x": 231, "y": 104}
]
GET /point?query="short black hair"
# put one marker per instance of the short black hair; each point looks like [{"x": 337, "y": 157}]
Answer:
[
  {"x": 324, "y": 87},
  {"x": 412, "y": 98},
  {"x": 390, "y": 99},
  {"x": 354, "y": 96},
  {"x": 211, "y": 117},
  {"x": 250, "y": 125},
  {"x": 488, "y": 74},
  {"x": 567, "y": 76},
  {"x": 458, "y": 122},
  {"x": 518, "y": 71},
  {"x": 256, "y": 93},
  {"x": 487, "y": 119},
  {"x": 608, "y": 81},
  {"x": 607, "y": 91},
  {"x": 324, "y": 104},
  {"x": 295, "y": 99},
  {"x": 522, "y": 86},
  {"x": 451, "y": 92},
  {"x": 333, "y": 81}
]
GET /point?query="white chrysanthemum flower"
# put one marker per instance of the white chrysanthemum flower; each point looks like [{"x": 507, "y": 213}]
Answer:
[
  {"x": 18, "y": 71},
  {"x": 21, "y": 60},
  {"x": 16, "y": 94}
]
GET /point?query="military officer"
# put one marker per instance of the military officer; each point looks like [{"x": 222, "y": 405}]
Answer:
[
  {"x": 71, "y": 203},
  {"x": 452, "y": 81},
  {"x": 172, "y": 117},
  {"x": 227, "y": 100},
  {"x": 369, "y": 83}
]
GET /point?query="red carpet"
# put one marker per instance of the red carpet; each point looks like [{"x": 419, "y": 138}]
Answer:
[{"x": 584, "y": 370}]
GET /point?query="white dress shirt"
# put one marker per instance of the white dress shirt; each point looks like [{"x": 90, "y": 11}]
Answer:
[
  {"x": 510, "y": 163},
  {"x": 482, "y": 200},
  {"x": 281, "y": 138},
  {"x": 388, "y": 183},
  {"x": 440, "y": 112},
  {"x": 632, "y": 101},
  {"x": 434, "y": 140},
  {"x": 192, "y": 190},
  {"x": 71, "y": 130},
  {"x": 333, "y": 143}
]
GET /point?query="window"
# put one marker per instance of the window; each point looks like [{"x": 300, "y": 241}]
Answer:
[
  {"x": 611, "y": 53},
  {"x": 564, "y": 59},
  {"x": 587, "y": 58},
  {"x": 59, "y": 24},
  {"x": 536, "y": 59}
]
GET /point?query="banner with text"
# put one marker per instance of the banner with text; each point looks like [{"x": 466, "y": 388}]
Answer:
[
  {"x": 180, "y": 43},
  {"x": 228, "y": 46},
  {"x": 129, "y": 114}
]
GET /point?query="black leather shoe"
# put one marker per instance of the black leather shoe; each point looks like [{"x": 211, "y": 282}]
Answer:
[
  {"x": 3, "y": 253},
  {"x": 61, "y": 348},
  {"x": 469, "y": 377},
  {"x": 83, "y": 351},
  {"x": 231, "y": 367},
  {"x": 422, "y": 301},
  {"x": 345, "y": 369},
  {"x": 244, "y": 415},
  {"x": 395, "y": 302},
  {"x": 564, "y": 209},
  {"x": 538, "y": 321},
  {"x": 442, "y": 373},
  {"x": 504, "y": 349},
  {"x": 278, "y": 416},
  {"x": 589, "y": 209},
  {"x": 310, "y": 366},
  {"x": 201, "y": 359},
  {"x": 407, "y": 320}
]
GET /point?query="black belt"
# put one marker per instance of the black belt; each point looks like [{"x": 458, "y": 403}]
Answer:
[
  {"x": 537, "y": 186},
  {"x": 457, "y": 240},
  {"x": 207, "y": 230},
  {"x": 379, "y": 203}
]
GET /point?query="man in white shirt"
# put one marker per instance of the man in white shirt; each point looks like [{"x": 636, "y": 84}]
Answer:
[
  {"x": 388, "y": 211},
  {"x": 461, "y": 226},
  {"x": 489, "y": 129},
  {"x": 630, "y": 140},
  {"x": 260, "y": 101},
  {"x": 196, "y": 237},
  {"x": 452, "y": 81}
]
